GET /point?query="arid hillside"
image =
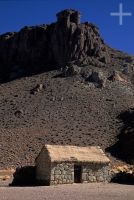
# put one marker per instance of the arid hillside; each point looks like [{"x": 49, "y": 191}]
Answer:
[{"x": 80, "y": 93}]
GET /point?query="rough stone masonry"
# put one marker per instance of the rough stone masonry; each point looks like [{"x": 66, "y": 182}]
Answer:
[
  {"x": 63, "y": 173},
  {"x": 64, "y": 164}
]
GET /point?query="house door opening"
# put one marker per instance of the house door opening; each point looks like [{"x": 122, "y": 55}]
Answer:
[{"x": 77, "y": 173}]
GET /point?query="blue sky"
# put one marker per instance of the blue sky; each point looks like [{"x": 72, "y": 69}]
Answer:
[{"x": 16, "y": 14}]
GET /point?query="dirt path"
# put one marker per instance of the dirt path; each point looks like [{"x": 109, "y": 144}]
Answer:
[{"x": 70, "y": 192}]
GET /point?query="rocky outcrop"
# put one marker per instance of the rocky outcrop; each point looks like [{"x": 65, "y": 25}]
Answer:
[
  {"x": 124, "y": 147},
  {"x": 118, "y": 76},
  {"x": 46, "y": 47},
  {"x": 97, "y": 78},
  {"x": 126, "y": 138},
  {"x": 38, "y": 88},
  {"x": 70, "y": 70}
]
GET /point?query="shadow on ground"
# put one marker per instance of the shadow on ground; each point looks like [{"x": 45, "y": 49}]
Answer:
[
  {"x": 123, "y": 178},
  {"x": 24, "y": 176},
  {"x": 7, "y": 75},
  {"x": 124, "y": 148}
]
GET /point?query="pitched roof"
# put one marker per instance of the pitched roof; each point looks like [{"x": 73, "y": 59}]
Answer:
[{"x": 67, "y": 153}]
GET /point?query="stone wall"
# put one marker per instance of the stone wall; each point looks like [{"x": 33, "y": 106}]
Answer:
[
  {"x": 43, "y": 166},
  {"x": 63, "y": 173},
  {"x": 96, "y": 173}
]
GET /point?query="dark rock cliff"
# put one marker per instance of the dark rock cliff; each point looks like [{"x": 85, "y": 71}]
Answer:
[{"x": 46, "y": 47}]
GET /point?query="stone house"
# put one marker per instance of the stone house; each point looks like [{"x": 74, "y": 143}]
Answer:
[{"x": 64, "y": 164}]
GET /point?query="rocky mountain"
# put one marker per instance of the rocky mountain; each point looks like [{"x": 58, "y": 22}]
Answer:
[
  {"x": 45, "y": 47},
  {"x": 62, "y": 84}
]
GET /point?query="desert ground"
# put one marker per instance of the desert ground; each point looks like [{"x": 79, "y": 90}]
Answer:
[{"x": 72, "y": 192}]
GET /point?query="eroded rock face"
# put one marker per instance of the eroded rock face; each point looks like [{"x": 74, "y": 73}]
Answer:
[
  {"x": 51, "y": 46},
  {"x": 126, "y": 138},
  {"x": 118, "y": 76},
  {"x": 71, "y": 70},
  {"x": 97, "y": 78}
]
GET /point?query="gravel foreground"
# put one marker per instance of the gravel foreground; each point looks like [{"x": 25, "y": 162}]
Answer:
[{"x": 71, "y": 192}]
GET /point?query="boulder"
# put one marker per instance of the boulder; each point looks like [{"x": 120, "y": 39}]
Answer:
[
  {"x": 38, "y": 88},
  {"x": 19, "y": 113},
  {"x": 97, "y": 78},
  {"x": 71, "y": 70},
  {"x": 118, "y": 76}
]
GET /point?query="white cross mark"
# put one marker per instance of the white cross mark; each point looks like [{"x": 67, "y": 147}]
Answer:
[{"x": 121, "y": 14}]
